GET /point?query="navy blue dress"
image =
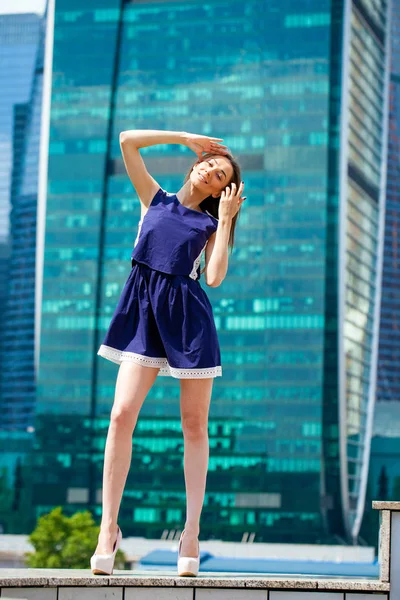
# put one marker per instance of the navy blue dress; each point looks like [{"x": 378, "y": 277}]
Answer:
[{"x": 164, "y": 318}]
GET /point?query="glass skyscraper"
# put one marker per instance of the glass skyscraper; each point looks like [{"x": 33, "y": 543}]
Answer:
[
  {"x": 384, "y": 472},
  {"x": 17, "y": 377},
  {"x": 19, "y": 36},
  {"x": 389, "y": 338},
  {"x": 297, "y": 91},
  {"x": 21, "y": 66}
]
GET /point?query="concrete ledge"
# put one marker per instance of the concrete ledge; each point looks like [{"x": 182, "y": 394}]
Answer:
[
  {"x": 57, "y": 578},
  {"x": 389, "y": 544},
  {"x": 77, "y": 584},
  {"x": 383, "y": 505}
]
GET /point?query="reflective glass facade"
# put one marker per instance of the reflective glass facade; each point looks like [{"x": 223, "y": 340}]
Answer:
[
  {"x": 19, "y": 35},
  {"x": 384, "y": 470},
  {"x": 19, "y": 39},
  {"x": 266, "y": 77},
  {"x": 17, "y": 377},
  {"x": 20, "y": 65},
  {"x": 16, "y": 514},
  {"x": 18, "y": 43},
  {"x": 384, "y": 467},
  {"x": 389, "y": 337},
  {"x": 361, "y": 230}
]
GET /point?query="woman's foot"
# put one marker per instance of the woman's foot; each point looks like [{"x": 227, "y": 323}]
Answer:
[
  {"x": 106, "y": 540},
  {"x": 103, "y": 563},
  {"x": 190, "y": 543},
  {"x": 188, "y": 559}
]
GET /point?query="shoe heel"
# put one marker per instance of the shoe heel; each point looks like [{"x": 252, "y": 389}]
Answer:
[{"x": 103, "y": 564}]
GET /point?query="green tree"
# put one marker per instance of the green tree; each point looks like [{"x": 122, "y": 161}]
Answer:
[{"x": 63, "y": 542}]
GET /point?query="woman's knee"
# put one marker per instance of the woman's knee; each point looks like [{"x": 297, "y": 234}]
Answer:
[
  {"x": 194, "y": 428},
  {"x": 123, "y": 417}
]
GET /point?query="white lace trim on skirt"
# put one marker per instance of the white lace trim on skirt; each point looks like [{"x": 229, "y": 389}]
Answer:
[{"x": 118, "y": 356}]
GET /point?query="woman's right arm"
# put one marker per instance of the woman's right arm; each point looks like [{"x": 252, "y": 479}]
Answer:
[{"x": 130, "y": 141}]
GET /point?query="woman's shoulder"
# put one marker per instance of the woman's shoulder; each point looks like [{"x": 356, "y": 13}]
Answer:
[{"x": 161, "y": 195}]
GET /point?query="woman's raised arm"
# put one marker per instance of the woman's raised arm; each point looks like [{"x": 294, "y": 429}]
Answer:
[{"x": 130, "y": 141}]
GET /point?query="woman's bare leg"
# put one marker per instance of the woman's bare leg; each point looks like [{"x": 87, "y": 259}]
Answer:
[
  {"x": 195, "y": 403},
  {"x": 132, "y": 386}
]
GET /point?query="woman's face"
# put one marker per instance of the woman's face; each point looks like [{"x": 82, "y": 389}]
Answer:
[{"x": 212, "y": 175}]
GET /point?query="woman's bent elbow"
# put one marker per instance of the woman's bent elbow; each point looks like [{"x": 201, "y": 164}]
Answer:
[
  {"x": 214, "y": 282},
  {"x": 123, "y": 137}
]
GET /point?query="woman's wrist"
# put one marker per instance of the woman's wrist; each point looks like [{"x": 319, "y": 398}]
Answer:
[
  {"x": 184, "y": 137},
  {"x": 223, "y": 231},
  {"x": 225, "y": 223}
]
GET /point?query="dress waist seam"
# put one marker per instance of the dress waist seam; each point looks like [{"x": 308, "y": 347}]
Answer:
[{"x": 140, "y": 262}]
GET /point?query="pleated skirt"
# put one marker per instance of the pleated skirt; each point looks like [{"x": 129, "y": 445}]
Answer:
[{"x": 164, "y": 321}]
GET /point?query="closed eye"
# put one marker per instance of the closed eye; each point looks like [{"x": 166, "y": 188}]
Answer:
[{"x": 218, "y": 174}]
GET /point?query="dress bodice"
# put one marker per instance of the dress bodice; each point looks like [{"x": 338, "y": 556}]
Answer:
[{"x": 172, "y": 237}]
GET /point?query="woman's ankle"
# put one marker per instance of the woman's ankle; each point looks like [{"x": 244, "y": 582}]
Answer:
[
  {"x": 192, "y": 530},
  {"x": 108, "y": 528}
]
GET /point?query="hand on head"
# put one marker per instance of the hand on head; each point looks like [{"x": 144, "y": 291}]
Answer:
[
  {"x": 231, "y": 201},
  {"x": 204, "y": 143}
]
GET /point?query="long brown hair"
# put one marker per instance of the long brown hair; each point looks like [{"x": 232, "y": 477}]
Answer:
[{"x": 212, "y": 204}]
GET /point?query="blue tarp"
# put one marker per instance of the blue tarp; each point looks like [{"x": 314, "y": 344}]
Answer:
[{"x": 157, "y": 559}]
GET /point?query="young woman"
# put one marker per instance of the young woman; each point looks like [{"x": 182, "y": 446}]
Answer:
[{"x": 163, "y": 324}]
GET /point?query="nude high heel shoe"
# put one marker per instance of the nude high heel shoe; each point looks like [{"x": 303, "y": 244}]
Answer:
[
  {"x": 103, "y": 564},
  {"x": 187, "y": 565}
]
